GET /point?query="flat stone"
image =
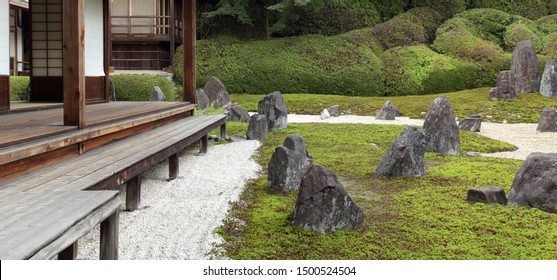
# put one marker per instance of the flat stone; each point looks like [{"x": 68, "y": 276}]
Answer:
[
  {"x": 288, "y": 165},
  {"x": 470, "y": 124},
  {"x": 323, "y": 205},
  {"x": 441, "y": 131},
  {"x": 238, "y": 114},
  {"x": 548, "y": 85},
  {"x": 405, "y": 157},
  {"x": 548, "y": 120},
  {"x": 488, "y": 195},
  {"x": 157, "y": 95},
  {"x": 535, "y": 184},
  {"x": 257, "y": 128},
  {"x": 525, "y": 66},
  {"x": 273, "y": 106}
]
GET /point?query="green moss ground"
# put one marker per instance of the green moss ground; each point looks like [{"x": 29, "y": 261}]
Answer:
[
  {"x": 525, "y": 109},
  {"x": 408, "y": 218}
]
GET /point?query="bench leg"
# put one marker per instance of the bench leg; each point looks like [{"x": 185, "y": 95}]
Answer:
[
  {"x": 173, "y": 167},
  {"x": 204, "y": 142},
  {"x": 133, "y": 193},
  {"x": 223, "y": 131},
  {"x": 109, "y": 237},
  {"x": 69, "y": 253}
]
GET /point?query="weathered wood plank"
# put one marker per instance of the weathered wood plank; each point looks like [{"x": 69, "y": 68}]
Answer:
[
  {"x": 69, "y": 253},
  {"x": 173, "y": 167},
  {"x": 203, "y": 144},
  {"x": 133, "y": 193},
  {"x": 110, "y": 237},
  {"x": 223, "y": 132}
]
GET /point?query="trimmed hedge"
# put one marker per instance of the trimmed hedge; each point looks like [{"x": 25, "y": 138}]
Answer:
[
  {"x": 519, "y": 32},
  {"x": 403, "y": 30},
  {"x": 446, "y": 8},
  {"x": 138, "y": 87},
  {"x": 18, "y": 88}
]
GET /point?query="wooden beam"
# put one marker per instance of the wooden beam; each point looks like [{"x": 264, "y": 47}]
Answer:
[
  {"x": 173, "y": 167},
  {"x": 172, "y": 31},
  {"x": 73, "y": 63},
  {"x": 223, "y": 133},
  {"x": 133, "y": 193},
  {"x": 189, "y": 50},
  {"x": 203, "y": 145}
]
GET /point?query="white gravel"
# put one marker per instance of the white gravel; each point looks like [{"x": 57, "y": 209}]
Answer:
[{"x": 177, "y": 219}]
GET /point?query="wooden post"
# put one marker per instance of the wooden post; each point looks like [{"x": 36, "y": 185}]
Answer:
[
  {"x": 172, "y": 31},
  {"x": 223, "y": 131},
  {"x": 73, "y": 63},
  {"x": 69, "y": 253},
  {"x": 109, "y": 237},
  {"x": 173, "y": 167},
  {"x": 133, "y": 193},
  {"x": 107, "y": 48},
  {"x": 203, "y": 147},
  {"x": 189, "y": 50}
]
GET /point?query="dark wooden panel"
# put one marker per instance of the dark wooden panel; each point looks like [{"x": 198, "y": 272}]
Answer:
[
  {"x": 94, "y": 89},
  {"x": 4, "y": 93},
  {"x": 46, "y": 89},
  {"x": 189, "y": 50}
]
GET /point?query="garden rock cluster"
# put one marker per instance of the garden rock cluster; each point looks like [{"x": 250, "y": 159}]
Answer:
[
  {"x": 288, "y": 164},
  {"x": 505, "y": 86},
  {"x": 535, "y": 184},
  {"x": 330, "y": 112},
  {"x": 273, "y": 109},
  {"x": 487, "y": 195},
  {"x": 441, "y": 131},
  {"x": 388, "y": 112},
  {"x": 525, "y": 66},
  {"x": 236, "y": 113},
  {"x": 216, "y": 92},
  {"x": 548, "y": 120},
  {"x": 472, "y": 124},
  {"x": 202, "y": 100},
  {"x": 258, "y": 128},
  {"x": 548, "y": 85},
  {"x": 405, "y": 157},
  {"x": 323, "y": 205}
]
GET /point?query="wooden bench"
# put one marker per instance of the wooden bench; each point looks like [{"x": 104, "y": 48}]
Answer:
[
  {"x": 105, "y": 168},
  {"x": 41, "y": 225}
]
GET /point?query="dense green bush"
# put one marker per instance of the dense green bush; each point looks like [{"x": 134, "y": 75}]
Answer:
[
  {"x": 550, "y": 46},
  {"x": 18, "y": 88},
  {"x": 532, "y": 9},
  {"x": 429, "y": 19},
  {"x": 446, "y": 8},
  {"x": 519, "y": 32},
  {"x": 402, "y": 30},
  {"x": 138, "y": 87}
]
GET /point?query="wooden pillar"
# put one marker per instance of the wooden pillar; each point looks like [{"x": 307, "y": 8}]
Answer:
[
  {"x": 223, "y": 131},
  {"x": 69, "y": 253},
  {"x": 73, "y": 62},
  {"x": 107, "y": 48},
  {"x": 133, "y": 193},
  {"x": 189, "y": 50},
  {"x": 203, "y": 146},
  {"x": 109, "y": 237},
  {"x": 173, "y": 167},
  {"x": 172, "y": 31}
]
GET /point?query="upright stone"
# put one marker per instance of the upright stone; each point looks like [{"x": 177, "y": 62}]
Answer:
[
  {"x": 505, "y": 89},
  {"x": 215, "y": 90},
  {"x": 526, "y": 68},
  {"x": 202, "y": 100},
  {"x": 288, "y": 165},
  {"x": 487, "y": 195},
  {"x": 257, "y": 128},
  {"x": 325, "y": 114},
  {"x": 388, "y": 112},
  {"x": 333, "y": 111},
  {"x": 111, "y": 90},
  {"x": 548, "y": 120},
  {"x": 238, "y": 114},
  {"x": 323, "y": 205},
  {"x": 157, "y": 95},
  {"x": 535, "y": 183},
  {"x": 548, "y": 85},
  {"x": 405, "y": 157},
  {"x": 441, "y": 131},
  {"x": 273, "y": 106}
]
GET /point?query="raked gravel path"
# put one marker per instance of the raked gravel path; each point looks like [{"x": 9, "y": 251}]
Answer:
[{"x": 177, "y": 219}]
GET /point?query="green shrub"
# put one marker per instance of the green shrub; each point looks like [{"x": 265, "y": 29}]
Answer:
[
  {"x": 18, "y": 88},
  {"x": 550, "y": 46},
  {"x": 532, "y": 9},
  {"x": 138, "y": 87},
  {"x": 402, "y": 30},
  {"x": 446, "y": 8},
  {"x": 547, "y": 24},
  {"x": 456, "y": 38},
  {"x": 429, "y": 19},
  {"x": 519, "y": 32}
]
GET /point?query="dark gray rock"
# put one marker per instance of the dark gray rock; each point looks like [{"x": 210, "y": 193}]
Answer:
[
  {"x": 525, "y": 66},
  {"x": 505, "y": 89},
  {"x": 548, "y": 120},
  {"x": 441, "y": 131},
  {"x": 202, "y": 100},
  {"x": 535, "y": 184},
  {"x": 288, "y": 165},
  {"x": 273, "y": 106},
  {"x": 470, "y": 124},
  {"x": 238, "y": 114},
  {"x": 323, "y": 205},
  {"x": 257, "y": 128},
  {"x": 405, "y": 157},
  {"x": 548, "y": 85},
  {"x": 111, "y": 90},
  {"x": 388, "y": 112},
  {"x": 333, "y": 111},
  {"x": 157, "y": 95},
  {"x": 215, "y": 90},
  {"x": 488, "y": 195}
]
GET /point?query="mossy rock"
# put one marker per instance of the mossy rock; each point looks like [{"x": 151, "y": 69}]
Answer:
[
  {"x": 139, "y": 87},
  {"x": 18, "y": 88}
]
